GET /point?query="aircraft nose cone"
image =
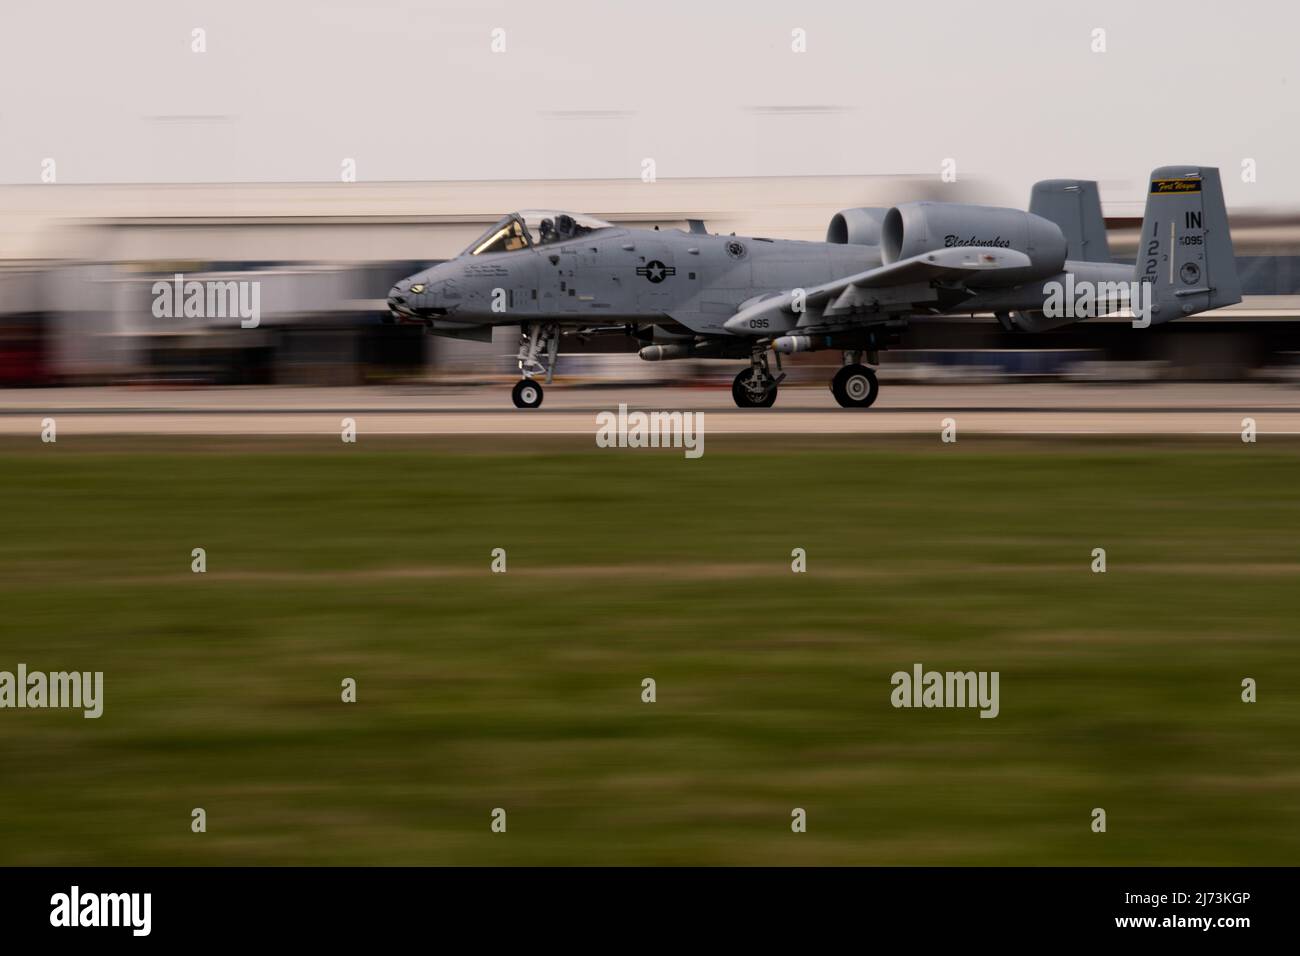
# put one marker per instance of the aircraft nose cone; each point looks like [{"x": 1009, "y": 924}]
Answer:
[{"x": 399, "y": 308}]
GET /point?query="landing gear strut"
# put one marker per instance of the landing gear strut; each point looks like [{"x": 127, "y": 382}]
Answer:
[
  {"x": 855, "y": 385},
  {"x": 539, "y": 347},
  {"x": 755, "y": 387}
]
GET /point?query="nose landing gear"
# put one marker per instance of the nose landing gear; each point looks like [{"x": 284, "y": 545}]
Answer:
[
  {"x": 755, "y": 387},
  {"x": 539, "y": 347}
]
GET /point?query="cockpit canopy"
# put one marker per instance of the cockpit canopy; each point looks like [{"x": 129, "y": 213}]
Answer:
[{"x": 531, "y": 228}]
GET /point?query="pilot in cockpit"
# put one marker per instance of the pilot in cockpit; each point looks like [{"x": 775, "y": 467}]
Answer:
[{"x": 562, "y": 227}]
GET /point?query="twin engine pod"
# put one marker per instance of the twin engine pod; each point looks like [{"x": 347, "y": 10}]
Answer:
[{"x": 912, "y": 228}]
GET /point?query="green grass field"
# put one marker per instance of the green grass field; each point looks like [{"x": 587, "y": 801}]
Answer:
[{"x": 522, "y": 690}]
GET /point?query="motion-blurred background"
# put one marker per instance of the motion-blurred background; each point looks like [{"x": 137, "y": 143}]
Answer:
[{"x": 76, "y": 307}]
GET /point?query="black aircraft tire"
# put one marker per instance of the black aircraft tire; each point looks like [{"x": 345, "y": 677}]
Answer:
[
  {"x": 740, "y": 394},
  {"x": 855, "y": 386},
  {"x": 526, "y": 394}
]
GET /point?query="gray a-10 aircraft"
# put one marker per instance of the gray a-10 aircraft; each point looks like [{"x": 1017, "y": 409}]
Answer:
[{"x": 696, "y": 295}]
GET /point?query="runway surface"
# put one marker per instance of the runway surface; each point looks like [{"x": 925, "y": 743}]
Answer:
[{"x": 1019, "y": 409}]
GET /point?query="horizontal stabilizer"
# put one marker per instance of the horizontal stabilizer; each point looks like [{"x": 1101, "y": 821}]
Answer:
[{"x": 1075, "y": 206}]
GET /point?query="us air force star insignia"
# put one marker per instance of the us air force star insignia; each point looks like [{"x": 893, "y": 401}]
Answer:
[{"x": 656, "y": 271}]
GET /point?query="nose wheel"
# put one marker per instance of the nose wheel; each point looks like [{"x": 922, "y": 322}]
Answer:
[
  {"x": 755, "y": 387},
  {"x": 527, "y": 394},
  {"x": 855, "y": 386}
]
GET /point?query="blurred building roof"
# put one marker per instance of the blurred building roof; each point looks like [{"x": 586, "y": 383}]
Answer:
[{"x": 391, "y": 220}]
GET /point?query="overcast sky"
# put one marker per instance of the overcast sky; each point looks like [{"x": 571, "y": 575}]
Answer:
[{"x": 1009, "y": 89}]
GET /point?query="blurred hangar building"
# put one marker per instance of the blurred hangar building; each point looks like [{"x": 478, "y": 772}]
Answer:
[{"x": 79, "y": 263}]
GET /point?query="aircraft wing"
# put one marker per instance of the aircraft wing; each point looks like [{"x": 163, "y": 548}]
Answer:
[{"x": 882, "y": 285}]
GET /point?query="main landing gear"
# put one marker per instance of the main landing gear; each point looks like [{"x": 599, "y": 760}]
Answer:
[
  {"x": 755, "y": 387},
  {"x": 855, "y": 386},
  {"x": 539, "y": 347}
]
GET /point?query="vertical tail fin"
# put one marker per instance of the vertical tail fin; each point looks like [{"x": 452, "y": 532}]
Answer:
[
  {"x": 1185, "y": 252},
  {"x": 1075, "y": 206}
]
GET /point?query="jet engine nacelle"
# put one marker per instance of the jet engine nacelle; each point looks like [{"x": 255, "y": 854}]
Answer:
[
  {"x": 856, "y": 227},
  {"x": 912, "y": 228}
]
